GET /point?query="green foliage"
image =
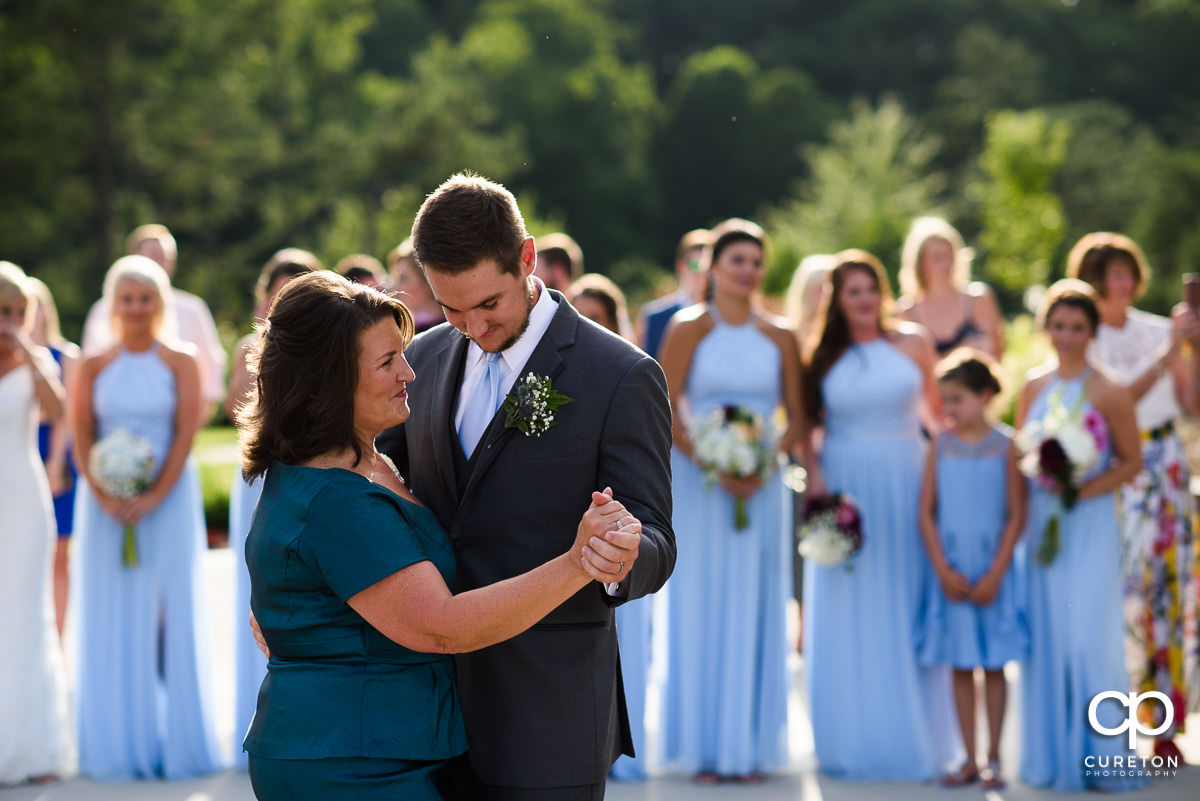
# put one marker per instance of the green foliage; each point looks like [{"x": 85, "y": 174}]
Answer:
[
  {"x": 323, "y": 124},
  {"x": 732, "y": 139},
  {"x": 216, "y": 453},
  {"x": 1021, "y": 216},
  {"x": 868, "y": 183}
]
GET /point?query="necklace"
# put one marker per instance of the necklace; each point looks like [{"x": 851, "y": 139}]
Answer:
[{"x": 391, "y": 466}]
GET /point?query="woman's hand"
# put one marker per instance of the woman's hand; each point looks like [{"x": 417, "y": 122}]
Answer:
[
  {"x": 814, "y": 483},
  {"x": 954, "y": 584},
  {"x": 59, "y": 477},
  {"x": 1185, "y": 325},
  {"x": 607, "y": 540},
  {"x": 137, "y": 507},
  {"x": 984, "y": 592},
  {"x": 741, "y": 487},
  {"x": 113, "y": 506}
]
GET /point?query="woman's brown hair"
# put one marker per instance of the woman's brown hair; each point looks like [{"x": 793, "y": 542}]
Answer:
[
  {"x": 306, "y": 368},
  {"x": 1094, "y": 253},
  {"x": 1073, "y": 293},
  {"x": 835, "y": 331}
]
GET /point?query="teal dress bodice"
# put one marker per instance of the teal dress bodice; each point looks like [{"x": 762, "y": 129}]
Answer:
[{"x": 336, "y": 686}]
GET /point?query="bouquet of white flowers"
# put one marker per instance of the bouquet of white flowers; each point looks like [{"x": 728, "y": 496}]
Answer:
[
  {"x": 733, "y": 440},
  {"x": 1059, "y": 451},
  {"x": 122, "y": 464}
]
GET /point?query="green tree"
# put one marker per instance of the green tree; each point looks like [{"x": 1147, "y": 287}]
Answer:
[
  {"x": 553, "y": 70},
  {"x": 1021, "y": 216},
  {"x": 868, "y": 183},
  {"x": 732, "y": 139}
]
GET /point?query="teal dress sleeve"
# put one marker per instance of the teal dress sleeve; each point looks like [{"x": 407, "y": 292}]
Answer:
[
  {"x": 336, "y": 686},
  {"x": 358, "y": 541}
]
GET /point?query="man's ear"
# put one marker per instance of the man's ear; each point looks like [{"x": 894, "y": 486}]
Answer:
[{"x": 528, "y": 257}]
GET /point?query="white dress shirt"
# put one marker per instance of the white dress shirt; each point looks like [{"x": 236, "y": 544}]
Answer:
[{"x": 512, "y": 360}]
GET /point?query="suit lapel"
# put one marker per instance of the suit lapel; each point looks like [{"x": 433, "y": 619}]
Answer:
[
  {"x": 444, "y": 399},
  {"x": 546, "y": 360}
]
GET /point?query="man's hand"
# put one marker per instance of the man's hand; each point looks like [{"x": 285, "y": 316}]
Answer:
[{"x": 609, "y": 557}]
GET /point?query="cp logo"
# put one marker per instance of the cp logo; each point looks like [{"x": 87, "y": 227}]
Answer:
[{"x": 1131, "y": 701}]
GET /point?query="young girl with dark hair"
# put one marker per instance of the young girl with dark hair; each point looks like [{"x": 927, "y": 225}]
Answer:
[{"x": 972, "y": 510}]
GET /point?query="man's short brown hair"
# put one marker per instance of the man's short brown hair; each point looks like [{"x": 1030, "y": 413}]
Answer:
[{"x": 468, "y": 219}]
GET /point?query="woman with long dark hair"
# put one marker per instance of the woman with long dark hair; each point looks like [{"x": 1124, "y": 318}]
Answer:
[{"x": 876, "y": 713}]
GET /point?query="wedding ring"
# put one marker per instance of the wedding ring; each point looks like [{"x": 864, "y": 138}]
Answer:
[
  {"x": 622, "y": 570},
  {"x": 621, "y": 524}
]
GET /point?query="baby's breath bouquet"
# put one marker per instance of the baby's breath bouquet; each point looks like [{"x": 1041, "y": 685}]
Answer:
[
  {"x": 122, "y": 464},
  {"x": 733, "y": 440}
]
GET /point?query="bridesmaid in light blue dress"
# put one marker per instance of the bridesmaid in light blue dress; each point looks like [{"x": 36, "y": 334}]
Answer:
[
  {"x": 1075, "y": 602},
  {"x": 877, "y": 714},
  {"x": 250, "y": 666},
  {"x": 726, "y": 695},
  {"x": 143, "y": 656}
]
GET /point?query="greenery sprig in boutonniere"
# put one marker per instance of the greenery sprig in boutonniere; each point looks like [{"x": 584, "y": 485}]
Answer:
[{"x": 530, "y": 407}]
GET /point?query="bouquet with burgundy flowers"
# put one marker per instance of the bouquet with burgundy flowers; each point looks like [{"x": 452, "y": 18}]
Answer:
[
  {"x": 832, "y": 530},
  {"x": 1059, "y": 451}
]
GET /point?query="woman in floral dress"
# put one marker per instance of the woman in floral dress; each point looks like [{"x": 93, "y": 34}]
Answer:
[{"x": 1141, "y": 351}]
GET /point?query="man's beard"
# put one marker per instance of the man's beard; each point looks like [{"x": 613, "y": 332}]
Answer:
[{"x": 508, "y": 343}]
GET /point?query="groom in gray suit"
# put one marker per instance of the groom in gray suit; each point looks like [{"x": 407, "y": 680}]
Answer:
[{"x": 545, "y": 711}]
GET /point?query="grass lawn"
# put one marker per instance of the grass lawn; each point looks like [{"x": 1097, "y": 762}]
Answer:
[{"x": 216, "y": 453}]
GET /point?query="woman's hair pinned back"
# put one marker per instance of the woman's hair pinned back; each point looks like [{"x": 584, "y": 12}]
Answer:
[
  {"x": 306, "y": 367},
  {"x": 973, "y": 369}
]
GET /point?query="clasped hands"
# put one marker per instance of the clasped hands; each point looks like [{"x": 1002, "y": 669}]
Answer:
[
  {"x": 606, "y": 543},
  {"x": 128, "y": 511},
  {"x": 959, "y": 589}
]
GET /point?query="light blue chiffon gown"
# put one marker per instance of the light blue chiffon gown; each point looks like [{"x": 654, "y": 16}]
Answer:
[
  {"x": 877, "y": 715},
  {"x": 250, "y": 664},
  {"x": 633, "y": 641},
  {"x": 726, "y": 694},
  {"x": 1077, "y": 632},
  {"x": 143, "y": 659},
  {"x": 972, "y": 510}
]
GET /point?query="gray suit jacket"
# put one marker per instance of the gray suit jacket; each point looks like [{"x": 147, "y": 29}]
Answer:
[{"x": 546, "y": 708}]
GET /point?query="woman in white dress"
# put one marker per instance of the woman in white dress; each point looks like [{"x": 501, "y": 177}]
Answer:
[
  {"x": 34, "y": 740},
  {"x": 1158, "y": 557}
]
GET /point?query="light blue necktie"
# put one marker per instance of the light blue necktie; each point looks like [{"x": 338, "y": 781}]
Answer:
[{"x": 482, "y": 405}]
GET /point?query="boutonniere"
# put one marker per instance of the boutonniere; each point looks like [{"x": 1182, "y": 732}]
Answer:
[{"x": 530, "y": 407}]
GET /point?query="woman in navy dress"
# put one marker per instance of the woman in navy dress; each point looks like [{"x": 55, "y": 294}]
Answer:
[
  {"x": 54, "y": 440},
  {"x": 877, "y": 714},
  {"x": 350, "y": 573}
]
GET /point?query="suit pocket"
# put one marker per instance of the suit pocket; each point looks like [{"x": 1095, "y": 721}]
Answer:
[{"x": 548, "y": 446}]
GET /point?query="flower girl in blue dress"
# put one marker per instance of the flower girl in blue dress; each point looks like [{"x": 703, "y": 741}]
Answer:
[{"x": 972, "y": 512}]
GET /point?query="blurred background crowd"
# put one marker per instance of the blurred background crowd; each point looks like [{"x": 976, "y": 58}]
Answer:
[{"x": 279, "y": 138}]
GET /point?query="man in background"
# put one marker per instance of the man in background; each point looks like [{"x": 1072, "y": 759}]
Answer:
[
  {"x": 689, "y": 271},
  {"x": 559, "y": 261}
]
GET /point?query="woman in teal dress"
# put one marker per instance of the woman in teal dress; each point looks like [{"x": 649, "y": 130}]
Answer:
[
  {"x": 1075, "y": 620},
  {"x": 349, "y": 571}
]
